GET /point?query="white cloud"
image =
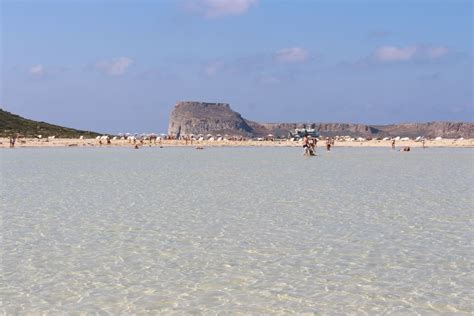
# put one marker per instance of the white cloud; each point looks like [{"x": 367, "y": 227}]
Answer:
[
  {"x": 394, "y": 53},
  {"x": 37, "y": 70},
  {"x": 437, "y": 52},
  {"x": 220, "y": 8},
  {"x": 115, "y": 66},
  {"x": 292, "y": 55}
]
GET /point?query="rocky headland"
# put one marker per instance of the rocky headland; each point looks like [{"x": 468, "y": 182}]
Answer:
[
  {"x": 202, "y": 118},
  {"x": 218, "y": 118}
]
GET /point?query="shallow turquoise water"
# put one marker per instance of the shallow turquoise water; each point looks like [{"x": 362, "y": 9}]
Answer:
[{"x": 252, "y": 230}]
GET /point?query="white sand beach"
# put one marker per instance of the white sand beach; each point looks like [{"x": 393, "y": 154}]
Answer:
[{"x": 68, "y": 142}]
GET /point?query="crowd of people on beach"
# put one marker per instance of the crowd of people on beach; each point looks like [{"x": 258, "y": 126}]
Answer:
[
  {"x": 136, "y": 141},
  {"x": 310, "y": 144}
]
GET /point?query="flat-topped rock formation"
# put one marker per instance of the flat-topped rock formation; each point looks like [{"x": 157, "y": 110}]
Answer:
[
  {"x": 218, "y": 118},
  {"x": 202, "y": 118}
]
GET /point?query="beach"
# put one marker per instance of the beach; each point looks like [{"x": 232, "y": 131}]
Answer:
[
  {"x": 69, "y": 142},
  {"x": 236, "y": 157}
]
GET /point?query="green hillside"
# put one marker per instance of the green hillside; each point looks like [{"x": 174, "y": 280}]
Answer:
[{"x": 12, "y": 124}]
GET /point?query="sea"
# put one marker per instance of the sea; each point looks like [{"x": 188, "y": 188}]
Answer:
[{"x": 243, "y": 230}]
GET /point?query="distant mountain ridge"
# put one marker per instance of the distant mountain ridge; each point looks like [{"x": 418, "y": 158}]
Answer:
[
  {"x": 192, "y": 117},
  {"x": 12, "y": 124}
]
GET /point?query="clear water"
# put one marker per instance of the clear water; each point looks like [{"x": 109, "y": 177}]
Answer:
[{"x": 250, "y": 230}]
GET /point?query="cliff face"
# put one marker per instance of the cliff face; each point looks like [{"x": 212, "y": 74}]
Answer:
[
  {"x": 328, "y": 129},
  {"x": 431, "y": 129},
  {"x": 203, "y": 118},
  {"x": 219, "y": 118}
]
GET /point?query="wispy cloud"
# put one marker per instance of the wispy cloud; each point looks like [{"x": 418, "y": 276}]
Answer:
[
  {"x": 37, "y": 71},
  {"x": 237, "y": 66},
  {"x": 219, "y": 8},
  {"x": 431, "y": 76},
  {"x": 40, "y": 71},
  {"x": 268, "y": 79},
  {"x": 115, "y": 66},
  {"x": 437, "y": 52},
  {"x": 211, "y": 69},
  {"x": 292, "y": 55},
  {"x": 407, "y": 53},
  {"x": 264, "y": 67},
  {"x": 378, "y": 34},
  {"x": 393, "y": 53}
]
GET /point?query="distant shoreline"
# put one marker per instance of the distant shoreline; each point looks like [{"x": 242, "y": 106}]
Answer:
[{"x": 94, "y": 143}]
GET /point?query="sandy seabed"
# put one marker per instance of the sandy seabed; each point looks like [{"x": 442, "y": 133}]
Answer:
[{"x": 70, "y": 142}]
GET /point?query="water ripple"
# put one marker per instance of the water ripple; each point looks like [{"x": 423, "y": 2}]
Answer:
[{"x": 236, "y": 230}]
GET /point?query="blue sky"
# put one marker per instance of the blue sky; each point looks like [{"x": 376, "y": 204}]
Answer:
[{"x": 120, "y": 66}]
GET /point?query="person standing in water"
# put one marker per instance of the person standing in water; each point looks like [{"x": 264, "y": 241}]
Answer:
[
  {"x": 305, "y": 144},
  {"x": 328, "y": 144},
  {"x": 313, "y": 146},
  {"x": 393, "y": 143},
  {"x": 12, "y": 142}
]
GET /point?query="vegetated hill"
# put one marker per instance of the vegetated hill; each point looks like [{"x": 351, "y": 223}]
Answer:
[
  {"x": 12, "y": 124},
  {"x": 218, "y": 118}
]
